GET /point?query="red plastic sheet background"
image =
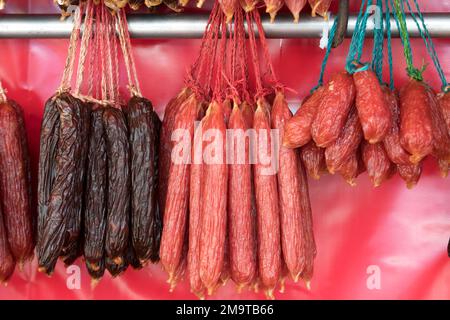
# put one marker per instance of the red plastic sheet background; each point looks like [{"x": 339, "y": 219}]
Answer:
[{"x": 399, "y": 234}]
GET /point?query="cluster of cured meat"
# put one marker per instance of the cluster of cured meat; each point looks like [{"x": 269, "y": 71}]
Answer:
[
  {"x": 353, "y": 124},
  {"x": 246, "y": 221},
  {"x": 98, "y": 164}
]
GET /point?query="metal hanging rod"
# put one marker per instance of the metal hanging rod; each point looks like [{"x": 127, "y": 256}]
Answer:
[{"x": 192, "y": 26}]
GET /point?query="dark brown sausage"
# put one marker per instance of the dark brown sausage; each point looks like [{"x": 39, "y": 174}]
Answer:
[
  {"x": 95, "y": 197},
  {"x": 144, "y": 138},
  {"x": 118, "y": 194},
  {"x": 61, "y": 205}
]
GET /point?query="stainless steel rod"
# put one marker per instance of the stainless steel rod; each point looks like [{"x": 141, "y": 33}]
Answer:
[{"x": 193, "y": 25}]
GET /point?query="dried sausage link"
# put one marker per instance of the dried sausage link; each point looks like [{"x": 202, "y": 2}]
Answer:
[
  {"x": 61, "y": 206},
  {"x": 266, "y": 192},
  {"x": 298, "y": 128},
  {"x": 143, "y": 128},
  {"x": 95, "y": 218},
  {"x": 337, "y": 99},
  {"x": 118, "y": 194}
]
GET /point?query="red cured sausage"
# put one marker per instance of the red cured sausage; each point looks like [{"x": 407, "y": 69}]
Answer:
[
  {"x": 214, "y": 203},
  {"x": 313, "y": 159},
  {"x": 165, "y": 146},
  {"x": 377, "y": 163},
  {"x": 195, "y": 201},
  {"x": 289, "y": 195},
  {"x": 416, "y": 127},
  {"x": 337, "y": 99},
  {"x": 266, "y": 192},
  {"x": 441, "y": 136},
  {"x": 373, "y": 110},
  {"x": 350, "y": 169},
  {"x": 240, "y": 207},
  {"x": 248, "y": 110},
  {"x": 177, "y": 199},
  {"x": 308, "y": 227},
  {"x": 298, "y": 129},
  {"x": 410, "y": 173},
  {"x": 346, "y": 144},
  {"x": 391, "y": 141},
  {"x": 444, "y": 103}
]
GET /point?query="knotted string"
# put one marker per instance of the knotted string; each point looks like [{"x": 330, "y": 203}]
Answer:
[
  {"x": 87, "y": 34},
  {"x": 201, "y": 70},
  {"x": 218, "y": 88},
  {"x": 353, "y": 63},
  {"x": 263, "y": 41},
  {"x": 389, "y": 45},
  {"x": 70, "y": 60},
  {"x": 423, "y": 30},
  {"x": 232, "y": 80},
  {"x": 401, "y": 24},
  {"x": 260, "y": 92},
  {"x": 110, "y": 32},
  {"x": 378, "y": 45},
  {"x": 327, "y": 54},
  {"x": 125, "y": 43},
  {"x": 243, "y": 57},
  {"x": 130, "y": 52}
]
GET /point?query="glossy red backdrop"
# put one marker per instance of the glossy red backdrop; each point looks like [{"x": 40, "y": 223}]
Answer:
[{"x": 400, "y": 234}]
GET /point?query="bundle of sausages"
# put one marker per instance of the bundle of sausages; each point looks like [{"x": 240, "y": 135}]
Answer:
[
  {"x": 98, "y": 159},
  {"x": 226, "y": 216},
  {"x": 354, "y": 124}
]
